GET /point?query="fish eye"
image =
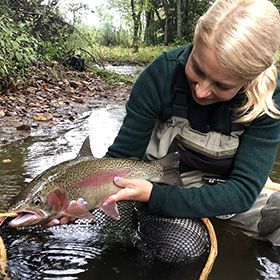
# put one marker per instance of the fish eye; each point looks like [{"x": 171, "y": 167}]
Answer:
[{"x": 37, "y": 201}]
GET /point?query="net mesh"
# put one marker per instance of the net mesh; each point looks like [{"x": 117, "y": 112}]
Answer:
[{"x": 159, "y": 239}]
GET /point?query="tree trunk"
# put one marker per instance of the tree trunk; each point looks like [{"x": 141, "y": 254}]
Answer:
[
  {"x": 165, "y": 4},
  {"x": 179, "y": 20},
  {"x": 136, "y": 25}
]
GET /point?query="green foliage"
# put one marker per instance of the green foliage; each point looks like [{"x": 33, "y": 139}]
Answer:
[
  {"x": 158, "y": 19},
  {"x": 110, "y": 35},
  {"x": 30, "y": 34},
  {"x": 122, "y": 55},
  {"x": 17, "y": 49},
  {"x": 112, "y": 78}
]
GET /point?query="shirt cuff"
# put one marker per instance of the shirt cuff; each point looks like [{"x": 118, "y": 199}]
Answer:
[{"x": 156, "y": 197}]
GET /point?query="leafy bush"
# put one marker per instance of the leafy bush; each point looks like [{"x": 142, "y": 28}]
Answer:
[
  {"x": 30, "y": 33},
  {"x": 18, "y": 49}
]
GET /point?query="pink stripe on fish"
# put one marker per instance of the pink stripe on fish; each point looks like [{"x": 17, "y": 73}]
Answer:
[{"x": 100, "y": 178}]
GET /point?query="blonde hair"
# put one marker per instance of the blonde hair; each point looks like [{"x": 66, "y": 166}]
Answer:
[{"x": 246, "y": 36}]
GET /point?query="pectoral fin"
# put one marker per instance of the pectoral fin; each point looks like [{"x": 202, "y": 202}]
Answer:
[
  {"x": 77, "y": 210},
  {"x": 110, "y": 209},
  {"x": 79, "y": 214}
]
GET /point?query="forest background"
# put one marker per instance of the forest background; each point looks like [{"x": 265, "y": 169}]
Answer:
[{"x": 129, "y": 32}]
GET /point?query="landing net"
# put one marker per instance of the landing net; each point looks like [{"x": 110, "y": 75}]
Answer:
[{"x": 183, "y": 244}]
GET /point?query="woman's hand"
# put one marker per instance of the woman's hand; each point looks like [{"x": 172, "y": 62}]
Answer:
[
  {"x": 135, "y": 190},
  {"x": 64, "y": 220}
]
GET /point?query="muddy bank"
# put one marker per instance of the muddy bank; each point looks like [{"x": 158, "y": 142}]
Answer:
[{"x": 52, "y": 96}]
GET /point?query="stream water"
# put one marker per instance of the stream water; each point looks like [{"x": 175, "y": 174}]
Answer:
[{"x": 79, "y": 251}]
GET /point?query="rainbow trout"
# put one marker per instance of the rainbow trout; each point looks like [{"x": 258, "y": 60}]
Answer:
[{"x": 48, "y": 195}]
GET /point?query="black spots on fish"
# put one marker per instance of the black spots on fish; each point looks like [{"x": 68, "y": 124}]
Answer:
[
  {"x": 170, "y": 161},
  {"x": 170, "y": 164}
]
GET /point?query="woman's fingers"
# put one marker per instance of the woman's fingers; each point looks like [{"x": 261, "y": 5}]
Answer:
[
  {"x": 52, "y": 223},
  {"x": 64, "y": 220},
  {"x": 135, "y": 190}
]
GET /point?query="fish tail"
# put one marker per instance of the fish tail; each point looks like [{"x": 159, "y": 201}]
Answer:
[{"x": 170, "y": 164}]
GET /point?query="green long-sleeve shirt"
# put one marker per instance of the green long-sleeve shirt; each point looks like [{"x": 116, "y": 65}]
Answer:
[{"x": 151, "y": 100}]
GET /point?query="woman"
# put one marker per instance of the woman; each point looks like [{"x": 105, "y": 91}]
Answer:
[{"x": 216, "y": 102}]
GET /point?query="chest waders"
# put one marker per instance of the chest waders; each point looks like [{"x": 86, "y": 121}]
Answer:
[
  {"x": 206, "y": 158},
  {"x": 172, "y": 248}
]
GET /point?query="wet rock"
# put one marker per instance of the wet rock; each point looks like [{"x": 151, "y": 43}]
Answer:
[
  {"x": 71, "y": 118},
  {"x": 24, "y": 127}
]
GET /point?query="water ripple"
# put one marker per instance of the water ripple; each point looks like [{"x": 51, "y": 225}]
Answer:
[{"x": 271, "y": 269}]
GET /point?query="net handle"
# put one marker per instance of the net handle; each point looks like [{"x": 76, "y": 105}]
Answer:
[
  {"x": 3, "y": 261},
  {"x": 214, "y": 244},
  {"x": 213, "y": 250},
  {"x": 269, "y": 185}
]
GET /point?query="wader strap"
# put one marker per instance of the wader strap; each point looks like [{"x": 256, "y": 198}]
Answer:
[
  {"x": 182, "y": 94},
  {"x": 181, "y": 91}
]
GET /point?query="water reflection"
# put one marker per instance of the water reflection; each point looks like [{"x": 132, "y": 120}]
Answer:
[
  {"x": 271, "y": 269},
  {"x": 133, "y": 70},
  {"x": 102, "y": 125},
  {"x": 57, "y": 253},
  {"x": 41, "y": 150},
  {"x": 82, "y": 250}
]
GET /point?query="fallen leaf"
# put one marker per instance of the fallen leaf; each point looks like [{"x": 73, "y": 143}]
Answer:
[
  {"x": 44, "y": 117},
  {"x": 66, "y": 82},
  {"x": 75, "y": 84},
  {"x": 31, "y": 89},
  {"x": 79, "y": 100},
  {"x": 6, "y": 160}
]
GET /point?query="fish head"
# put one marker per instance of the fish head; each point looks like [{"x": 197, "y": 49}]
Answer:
[{"x": 38, "y": 208}]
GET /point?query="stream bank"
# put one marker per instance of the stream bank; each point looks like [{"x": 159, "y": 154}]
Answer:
[{"x": 54, "y": 95}]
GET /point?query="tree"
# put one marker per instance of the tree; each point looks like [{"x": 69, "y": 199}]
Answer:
[
  {"x": 136, "y": 17},
  {"x": 166, "y": 10},
  {"x": 179, "y": 20},
  {"x": 131, "y": 10},
  {"x": 76, "y": 8},
  {"x": 163, "y": 21}
]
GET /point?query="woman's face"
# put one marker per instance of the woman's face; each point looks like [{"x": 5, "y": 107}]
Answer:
[{"x": 210, "y": 81}]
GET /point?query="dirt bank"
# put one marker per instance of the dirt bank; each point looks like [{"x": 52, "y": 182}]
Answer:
[{"x": 52, "y": 95}]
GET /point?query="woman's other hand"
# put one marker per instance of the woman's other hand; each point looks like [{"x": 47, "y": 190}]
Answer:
[
  {"x": 133, "y": 190},
  {"x": 64, "y": 220}
]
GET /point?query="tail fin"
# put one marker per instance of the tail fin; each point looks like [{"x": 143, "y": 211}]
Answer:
[{"x": 170, "y": 165}]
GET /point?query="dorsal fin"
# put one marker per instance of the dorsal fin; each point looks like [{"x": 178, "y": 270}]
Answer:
[{"x": 85, "y": 150}]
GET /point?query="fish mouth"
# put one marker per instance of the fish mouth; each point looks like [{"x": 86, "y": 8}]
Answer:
[{"x": 25, "y": 218}]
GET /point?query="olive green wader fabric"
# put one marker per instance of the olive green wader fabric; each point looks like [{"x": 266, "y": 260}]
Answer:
[{"x": 262, "y": 221}]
